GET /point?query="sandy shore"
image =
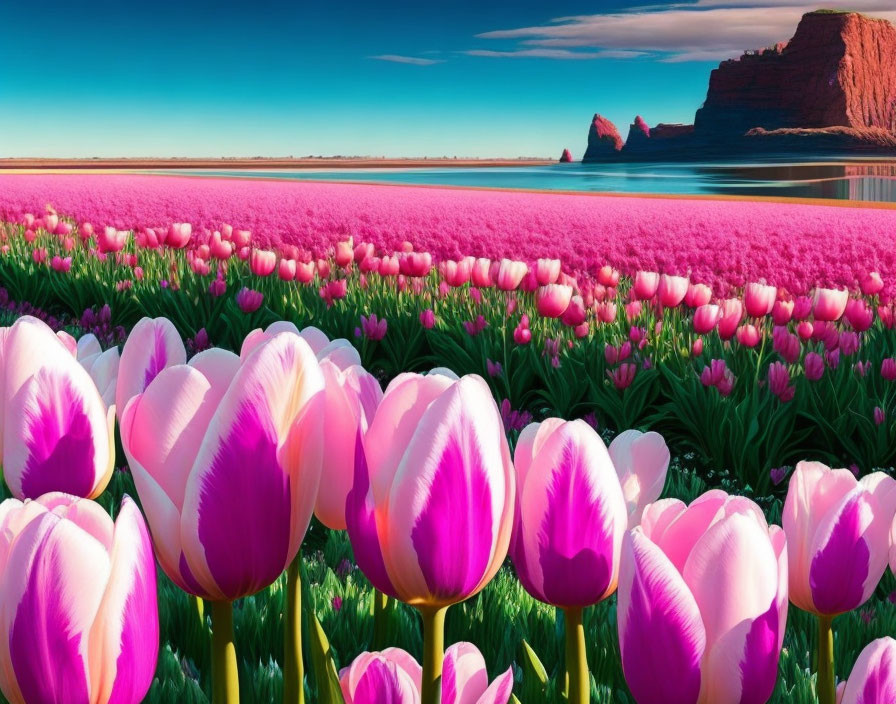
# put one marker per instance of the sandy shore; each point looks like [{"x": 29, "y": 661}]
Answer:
[{"x": 318, "y": 163}]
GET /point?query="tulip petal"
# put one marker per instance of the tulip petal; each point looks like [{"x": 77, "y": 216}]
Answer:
[
  {"x": 873, "y": 677},
  {"x": 383, "y": 682},
  {"x": 500, "y": 690},
  {"x": 641, "y": 461},
  {"x": 153, "y": 345},
  {"x": 661, "y": 634},
  {"x": 464, "y": 677}
]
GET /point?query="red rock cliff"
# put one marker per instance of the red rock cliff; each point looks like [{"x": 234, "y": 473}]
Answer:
[{"x": 838, "y": 70}]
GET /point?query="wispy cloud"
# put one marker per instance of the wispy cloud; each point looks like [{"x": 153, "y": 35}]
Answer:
[
  {"x": 707, "y": 30},
  {"x": 414, "y": 60},
  {"x": 556, "y": 54}
]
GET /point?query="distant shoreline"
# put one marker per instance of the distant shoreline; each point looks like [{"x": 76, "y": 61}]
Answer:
[{"x": 313, "y": 163}]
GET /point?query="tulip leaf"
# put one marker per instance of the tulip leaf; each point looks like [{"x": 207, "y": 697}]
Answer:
[
  {"x": 325, "y": 677},
  {"x": 532, "y": 666}
]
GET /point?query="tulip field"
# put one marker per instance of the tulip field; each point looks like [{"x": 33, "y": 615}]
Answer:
[{"x": 245, "y": 461}]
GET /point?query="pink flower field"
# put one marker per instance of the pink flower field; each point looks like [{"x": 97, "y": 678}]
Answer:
[{"x": 723, "y": 243}]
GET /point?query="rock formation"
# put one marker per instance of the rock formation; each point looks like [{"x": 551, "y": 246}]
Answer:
[
  {"x": 832, "y": 86},
  {"x": 565, "y": 157},
  {"x": 603, "y": 140}
]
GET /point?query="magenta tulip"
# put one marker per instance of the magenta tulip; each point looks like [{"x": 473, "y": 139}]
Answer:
[
  {"x": 748, "y": 335},
  {"x": 645, "y": 284},
  {"x": 547, "y": 271},
  {"x": 394, "y": 676},
  {"x": 697, "y": 295},
  {"x": 759, "y": 299},
  {"x": 351, "y": 397},
  {"x": 552, "y": 300},
  {"x": 873, "y": 677},
  {"x": 641, "y": 461},
  {"x": 872, "y": 284},
  {"x": 830, "y": 304},
  {"x": 79, "y": 618},
  {"x": 153, "y": 345},
  {"x": 706, "y": 317},
  {"x": 249, "y": 300},
  {"x": 226, "y": 459},
  {"x": 702, "y": 602},
  {"x": 672, "y": 290},
  {"x": 57, "y": 433}
]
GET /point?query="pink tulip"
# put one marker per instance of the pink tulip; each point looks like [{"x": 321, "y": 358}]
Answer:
[
  {"x": 645, "y": 284},
  {"x": 641, "y": 461},
  {"x": 859, "y": 315},
  {"x": 61, "y": 265},
  {"x": 111, "y": 240},
  {"x": 672, "y": 290},
  {"x": 428, "y": 319},
  {"x": 623, "y": 376},
  {"x": 219, "y": 248},
  {"x": 57, "y": 433},
  {"x": 262, "y": 262},
  {"x": 829, "y": 304},
  {"x": 706, "y": 317},
  {"x": 78, "y": 612},
  {"x": 286, "y": 270},
  {"x": 570, "y": 515},
  {"x": 698, "y": 295},
  {"x": 226, "y": 457},
  {"x": 241, "y": 238},
  {"x": 249, "y": 300},
  {"x": 350, "y": 399},
  {"x": 179, "y": 235},
  {"x": 103, "y": 366},
  {"x": 608, "y": 276},
  {"x": 415, "y": 264},
  {"x": 786, "y": 344},
  {"x": 553, "y": 300},
  {"x": 153, "y": 345},
  {"x": 888, "y": 369},
  {"x": 394, "y": 677},
  {"x": 85, "y": 230},
  {"x": 748, "y": 335},
  {"x": 697, "y": 347},
  {"x": 364, "y": 250},
  {"x": 547, "y": 271},
  {"x": 510, "y": 274},
  {"x": 732, "y": 312},
  {"x": 779, "y": 381},
  {"x": 838, "y": 535},
  {"x": 873, "y": 677},
  {"x": 481, "y": 274},
  {"x": 802, "y": 307},
  {"x": 605, "y": 311},
  {"x": 51, "y": 222},
  {"x": 702, "y": 602},
  {"x": 345, "y": 253},
  {"x": 389, "y": 266},
  {"x": 39, "y": 255},
  {"x": 872, "y": 284},
  {"x": 373, "y": 328},
  {"x": 456, "y": 273},
  {"x": 759, "y": 299},
  {"x": 304, "y": 272},
  {"x": 782, "y": 312},
  {"x": 340, "y": 351},
  {"x": 574, "y": 314},
  {"x": 435, "y": 450}
]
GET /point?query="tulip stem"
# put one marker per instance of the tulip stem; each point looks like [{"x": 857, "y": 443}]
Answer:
[
  {"x": 225, "y": 678},
  {"x": 380, "y": 619},
  {"x": 576, "y": 662},
  {"x": 433, "y": 653},
  {"x": 824, "y": 681},
  {"x": 199, "y": 606},
  {"x": 293, "y": 667}
]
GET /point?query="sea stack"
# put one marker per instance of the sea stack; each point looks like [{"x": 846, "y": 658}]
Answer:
[
  {"x": 604, "y": 140},
  {"x": 565, "y": 157}
]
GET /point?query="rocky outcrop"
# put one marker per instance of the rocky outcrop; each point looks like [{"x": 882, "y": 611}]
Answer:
[
  {"x": 832, "y": 86},
  {"x": 604, "y": 140},
  {"x": 565, "y": 157}
]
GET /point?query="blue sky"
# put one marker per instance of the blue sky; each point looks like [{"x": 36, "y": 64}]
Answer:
[{"x": 393, "y": 78}]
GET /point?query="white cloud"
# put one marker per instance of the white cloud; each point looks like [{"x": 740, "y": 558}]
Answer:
[
  {"x": 414, "y": 60},
  {"x": 556, "y": 54},
  {"x": 708, "y": 30}
]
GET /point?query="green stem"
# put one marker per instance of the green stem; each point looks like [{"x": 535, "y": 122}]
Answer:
[
  {"x": 824, "y": 682},
  {"x": 380, "y": 619},
  {"x": 199, "y": 607},
  {"x": 576, "y": 662},
  {"x": 433, "y": 653},
  {"x": 293, "y": 667},
  {"x": 225, "y": 678}
]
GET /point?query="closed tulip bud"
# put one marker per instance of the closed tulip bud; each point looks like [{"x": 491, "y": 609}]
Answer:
[
  {"x": 58, "y": 433},
  {"x": 782, "y": 312},
  {"x": 481, "y": 273},
  {"x": 838, "y": 535},
  {"x": 566, "y": 480},
  {"x": 645, "y": 284},
  {"x": 248, "y": 300},
  {"x": 179, "y": 235},
  {"x": 779, "y": 381},
  {"x": 888, "y": 369},
  {"x": 830, "y": 304},
  {"x": 608, "y": 276},
  {"x": 79, "y": 618},
  {"x": 522, "y": 336},
  {"x": 623, "y": 376},
  {"x": 428, "y": 319},
  {"x": 222, "y": 250},
  {"x": 872, "y": 284},
  {"x": 706, "y": 317},
  {"x": 574, "y": 315},
  {"x": 731, "y": 313},
  {"x": 873, "y": 677},
  {"x": 287, "y": 270},
  {"x": 759, "y": 299},
  {"x": 241, "y": 238},
  {"x": 879, "y": 415},
  {"x": 697, "y": 347},
  {"x": 394, "y": 676},
  {"x": 802, "y": 308},
  {"x": 641, "y": 461},
  {"x": 345, "y": 253},
  {"x": 748, "y": 335},
  {"x": 456, "y": 273},
  {"x": 553, "y": 300},
  {"x": 305, "y": 272},
  {"x": 848, "y": 343},
  {"x": 436, "y": 449},
  {"x": 606, "y": 312},
  {"x": 859, "y": 315},
  {"x": 510, "y": 274},
  {"x": 672, "y": 290},
  {"x": 111, "y": 240},
  {"x": 226, "y": 457},
  {"x": 698, "y": 295},
  {"x": 547, "y": 271},
  {"x": 702, "y": 602},
  {"x": 364, "y": 250},
  {"x": 262, "y": 262}
]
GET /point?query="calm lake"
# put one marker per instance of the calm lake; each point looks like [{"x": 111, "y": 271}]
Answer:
[{"x": 852, "y": 180}]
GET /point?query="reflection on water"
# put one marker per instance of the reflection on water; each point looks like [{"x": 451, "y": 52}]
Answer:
[{"x": 863, "y": 181}]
